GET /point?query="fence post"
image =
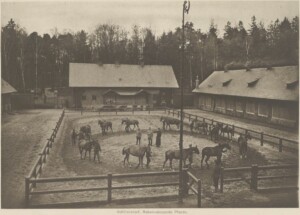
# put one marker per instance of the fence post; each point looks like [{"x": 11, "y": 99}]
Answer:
[
  {"x": 280, "y": 145},
  {"x": 185, "y": 182},
  {"x": 254, "y": 172},
  {"x": 221, "y": 179},
  {"x": 212, "y": 121},
  {"x": 109, "y": 183},
  {"x": 199, "y": 193},
  {"x": 34, "y": 176},
  {"x": 262, "y": 138},
  {"x": 246, "y": 131},
  {"x": 173, "y": 112},
  {"x": 178, "y": 114},
  {"x": 27, "y": 192},
  {"x": 233, "y": 128},
  {"x": 189, "y": 117}
]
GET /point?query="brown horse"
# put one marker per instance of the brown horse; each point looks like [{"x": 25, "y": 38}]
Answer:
[
  {"x": 175, "y": 154},
  {"x": 86, "y": 130},
  {"x": 129, "y": 122},
  {"x": 195, "y": 124},
  {"x": 137, "y": 151},
  {"x": 228, "y": 130},
  {"x": 105, "y": 125},
  {"x": 168, "y": 121},
  {"x": 85, "y": 145},
  {"x": 213, "y": 152}
]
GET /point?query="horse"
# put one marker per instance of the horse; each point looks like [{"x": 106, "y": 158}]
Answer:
[
  {"x": 137, "y": 151},
  {"x": 129, "y": 122},
  {"x": 86, "y": 130},
  {"x": 168, "y": 121},
  {"x": 195, "y": 124},
  {"x": 105, "y": 125},
  {"x": 228, "y": 130},
  {"x": 214, "y": 152},
  {"x": 175, "y": 154},
  {"x": 86, "y": 146},
  {"x": 243, "y": 145}
]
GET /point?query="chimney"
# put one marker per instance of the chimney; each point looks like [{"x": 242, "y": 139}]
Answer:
[{"x": 197, "y": 82}]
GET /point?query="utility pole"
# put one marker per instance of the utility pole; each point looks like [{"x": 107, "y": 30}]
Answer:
[{"x": 186, "y": 8}]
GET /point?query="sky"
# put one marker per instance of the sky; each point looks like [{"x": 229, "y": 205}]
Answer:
[{"x": 159, "y": 15}]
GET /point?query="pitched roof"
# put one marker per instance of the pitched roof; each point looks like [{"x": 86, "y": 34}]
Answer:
[
  {"x": 256, "y": 83},
  {"x": 6, "y": 87},
  {"x": 111, "y": 75}
]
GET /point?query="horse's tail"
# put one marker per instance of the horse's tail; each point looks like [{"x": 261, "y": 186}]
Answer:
[{"x": 124, "y": 151}]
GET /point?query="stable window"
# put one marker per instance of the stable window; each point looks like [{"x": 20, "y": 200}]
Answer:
[
  {"x": 220, "y": 103},
  {"x": 230, "y": 104},
  {"x": 263, "y": 109},
  {"x": 250, "y": 108},
  {"x": 94, "y": 97},
  {"x": 208, "y": 101},
  {"x": 239, "y": 106},
  {"x": 282, "y": 112},
  {"x": 83, "y": 97}
]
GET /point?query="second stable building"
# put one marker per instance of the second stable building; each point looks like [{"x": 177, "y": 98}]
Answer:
[
  {"x": 270, "y": 95},
  {"x": 93, "y": 85}
]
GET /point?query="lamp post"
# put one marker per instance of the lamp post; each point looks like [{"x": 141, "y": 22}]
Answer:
[{"x": 185, "y": 9}]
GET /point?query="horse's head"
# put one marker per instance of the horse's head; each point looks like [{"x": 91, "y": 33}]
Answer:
[
  {"x": 248, "y": 136},
  {"x": 196, "y": 150},
  {"x": 226, "y": 146}
]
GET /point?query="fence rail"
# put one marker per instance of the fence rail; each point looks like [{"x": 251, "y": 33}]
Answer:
[
  {"x": 109, "y": 188},
  {"x": 37, "y": 168},
  {"x": 261, "y": 136},
  {"x": 254, "y": 177}
]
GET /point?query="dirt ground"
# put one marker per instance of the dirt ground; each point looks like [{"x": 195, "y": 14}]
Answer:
[
  {"x": 64, "y": 160},
  {"x": 22, "y": 137}
]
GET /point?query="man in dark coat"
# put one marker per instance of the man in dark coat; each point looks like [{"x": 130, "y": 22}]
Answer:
[
  {"x": 97, "y": 149},
  {"x": 158, "y": 137},
  {"x": 216, "y": 174}
]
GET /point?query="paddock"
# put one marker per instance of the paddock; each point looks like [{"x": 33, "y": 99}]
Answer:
[{"x": 64, "y": 159}]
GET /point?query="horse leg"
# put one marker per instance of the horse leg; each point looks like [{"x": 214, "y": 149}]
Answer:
[
  {"x": 165, "y": 164},
  {"x": 139, "y": 163},
  {"x": 207, "y": 158},
  {"x": 171, "y": 164},
  {"x": 202, "y": 160}
]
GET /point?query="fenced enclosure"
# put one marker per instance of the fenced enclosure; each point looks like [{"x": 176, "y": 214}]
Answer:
[
  {"x": 263, "y": 138},
  {"x": 253, "y": 177},
  {"x": 109, "y": 188}
]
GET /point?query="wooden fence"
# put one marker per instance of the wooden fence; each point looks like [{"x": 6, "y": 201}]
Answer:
[
  {"x": 261, "y": 136},
  {"x": 30, "y": 182},
  {"x": 36, "y": 170},
  {"x": 255, "y": 177}
]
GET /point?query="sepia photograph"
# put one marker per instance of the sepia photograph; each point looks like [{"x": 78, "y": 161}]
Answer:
[{"x": 149, "y": 106}]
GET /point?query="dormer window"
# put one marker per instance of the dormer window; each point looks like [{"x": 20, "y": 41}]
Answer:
[
  {"x": 292, "y": 85},
  {"x": 253, "y": 83},
  {"x": 226, "y": 83}
]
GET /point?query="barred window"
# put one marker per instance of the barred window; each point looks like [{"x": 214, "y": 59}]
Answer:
[
  {"x": 220, "y": 103},
  {"x": 230, "y": 104},
  {"x": 83, "y": 97},
  {"x": 239, "y": 106},
  {"x": 282, "y": 112},
  {"x": 94, "y": 97}
]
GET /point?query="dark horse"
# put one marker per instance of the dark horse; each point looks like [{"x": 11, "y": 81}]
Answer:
[
  {"x": 175, "y": 154},
  {"x": 86, "y": 145},
  {"x": 243, "y": 145},
  {"x": 129, "y": 122},
  {"x": 105, "y": 125},
  {"x": 137, "y": 151},
  {"x": 228, "y": 130},
  {"x": 195, "y": 124},
  {"x": 168, "y": 121},
  {"x": 86, "y": 130},
  {"x": 213, "y": 152}
]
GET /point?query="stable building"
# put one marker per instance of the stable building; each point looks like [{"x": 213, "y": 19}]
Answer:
[
  {"x": 94, "y": 85},
  {"x": 265, "y": 94},
  {"x": 6, "y": 91}
]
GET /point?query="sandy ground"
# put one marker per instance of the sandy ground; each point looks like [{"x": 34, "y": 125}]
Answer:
[
  {"x": 22, "y": 137},
  {"x": 65, "y": 161},
  {"x": 25, "y": 133}
]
